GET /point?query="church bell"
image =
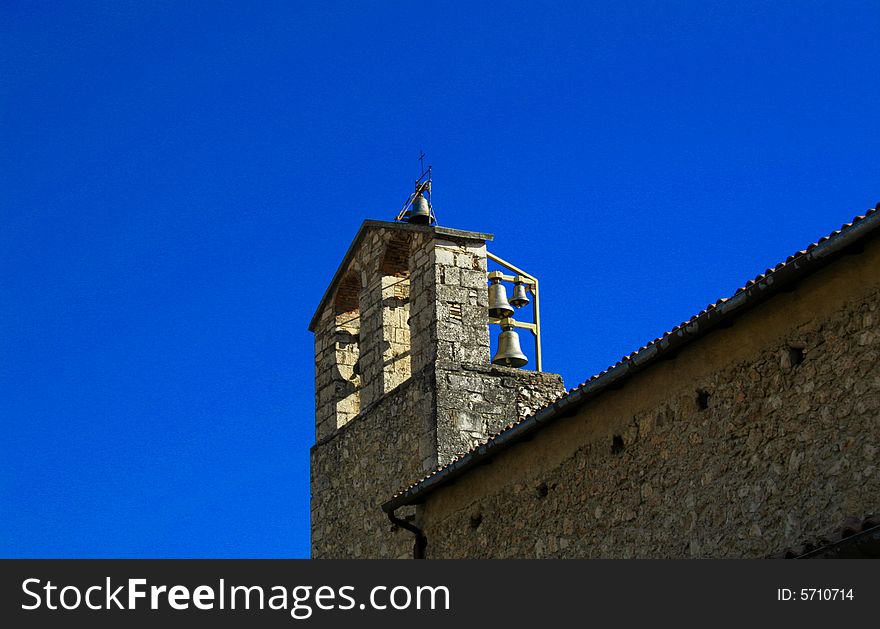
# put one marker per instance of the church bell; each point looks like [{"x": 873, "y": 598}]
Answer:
[
  {"x": 520, "y": 296},
  {"x": 509, "y": 353},
  {"x": 420, "y": 213},
  {"x": 499, "y": 307}
]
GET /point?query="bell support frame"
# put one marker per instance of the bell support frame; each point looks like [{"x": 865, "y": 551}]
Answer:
[{"x": 532, "y": 283}]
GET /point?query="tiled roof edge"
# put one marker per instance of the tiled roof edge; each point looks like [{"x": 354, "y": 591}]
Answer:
[{"x": 852, "y": 529}]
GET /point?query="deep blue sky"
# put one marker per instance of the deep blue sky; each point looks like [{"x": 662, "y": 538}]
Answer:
[{"x": 178, "y": 182}]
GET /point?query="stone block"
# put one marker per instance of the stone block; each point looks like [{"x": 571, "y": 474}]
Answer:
[
  {"x": 474, "y": 279},
  {"x": 464, "y": 260},
  {"x": 444, "y": 257}
]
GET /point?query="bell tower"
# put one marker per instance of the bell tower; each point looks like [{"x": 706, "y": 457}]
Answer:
[{"x": 403, "y": 378}]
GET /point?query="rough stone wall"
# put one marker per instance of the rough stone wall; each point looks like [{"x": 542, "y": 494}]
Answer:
[
  {"x": 357, "y": 467},
  {"x": 396, "y": 441},
  {"x": 449, "y": 320},
  {"x": 751, "y": 440},
  {"x": 477, "y": 401}
]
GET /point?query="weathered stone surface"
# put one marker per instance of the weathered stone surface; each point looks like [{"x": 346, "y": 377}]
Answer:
[
  {"x": 357, "y": 467},
  {"x": 403, "y": 435},
  {"x": 496, "y": 395}
]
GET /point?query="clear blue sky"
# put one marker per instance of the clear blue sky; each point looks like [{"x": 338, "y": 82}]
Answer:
[{"x": 179, "y": 180}]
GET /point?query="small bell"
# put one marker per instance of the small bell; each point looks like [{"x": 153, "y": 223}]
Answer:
[
  {"x": 509, "y": 353},
  {"x": 499, "y": 307},
  {"x": 520, "y": 296},
  {"x": 420, "y": 213}
]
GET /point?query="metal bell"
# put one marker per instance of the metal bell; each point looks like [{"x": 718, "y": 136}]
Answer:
[
  {"x": 520, "y": 295},
  {"x": 499, "y": 307},
  {"x": 420, "y": 213},
  {"x": 509, "y": 352}
]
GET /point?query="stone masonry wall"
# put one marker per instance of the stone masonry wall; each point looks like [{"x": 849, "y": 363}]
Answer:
[
  {"x": 751, "y": 440},
  {"x": 354, "y": 470},
  {"x": 477, "y": 401},
  {"x": 449, "y": 313},
  {"x": 396, "y": 441}
]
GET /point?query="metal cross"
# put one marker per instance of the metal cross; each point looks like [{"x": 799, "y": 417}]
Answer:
[{"x": 422, "y": 161}]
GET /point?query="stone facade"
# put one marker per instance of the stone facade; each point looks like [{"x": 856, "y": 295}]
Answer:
[
  {"x": 475, "y": 401},
  {"x": 403, "y": 381},
  {"x": 400, "y": 438},
  {"x": 754, "y": 438},
  {"x": 353, "y": 468}
]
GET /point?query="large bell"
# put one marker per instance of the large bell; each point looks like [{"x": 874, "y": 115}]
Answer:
[
  {"x": 520, "y": 295},
  {"x": 419, "y": 213},
  {"x": 499, "y": 307},
  {"x": 509, "y": 352}
]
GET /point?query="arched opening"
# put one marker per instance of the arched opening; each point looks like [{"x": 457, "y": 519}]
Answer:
[
  {"x": 394, "y": 267},
  {"x": 346, "y": 338}
]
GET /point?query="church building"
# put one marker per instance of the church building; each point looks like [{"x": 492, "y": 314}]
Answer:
[{"x": 750, "y": 430}]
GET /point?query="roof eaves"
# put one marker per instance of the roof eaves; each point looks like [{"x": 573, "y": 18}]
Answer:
[{"x": 853, "y": 531}]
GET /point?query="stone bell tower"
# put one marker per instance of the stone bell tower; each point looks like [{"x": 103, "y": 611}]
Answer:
[{"x": 403, "y": 380}]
